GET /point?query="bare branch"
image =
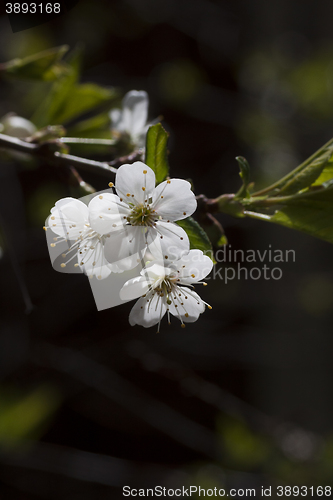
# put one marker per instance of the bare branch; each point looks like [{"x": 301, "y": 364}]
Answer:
[{"x": 49, "y": 152}]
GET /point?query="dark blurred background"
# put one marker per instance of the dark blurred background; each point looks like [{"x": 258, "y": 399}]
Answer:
[{"x": 241, "y": 398}]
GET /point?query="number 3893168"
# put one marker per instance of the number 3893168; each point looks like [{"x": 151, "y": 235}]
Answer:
[
  {"x": 32, "y": 8},
  {"x": 319, "y": 491}
]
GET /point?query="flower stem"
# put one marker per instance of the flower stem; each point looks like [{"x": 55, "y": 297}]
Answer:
[
  {"x": 84, "y": 140},
  {"x": 84, "y": 163}
]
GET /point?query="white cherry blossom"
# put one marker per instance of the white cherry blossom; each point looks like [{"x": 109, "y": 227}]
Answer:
[
  {"x": 72, "y": 221},
  {"x": 147, "y": 214},
  {"x": 16, "y": 126},
  {"x": 132, "y": 118},
  {"x": 167, "y": 288}
]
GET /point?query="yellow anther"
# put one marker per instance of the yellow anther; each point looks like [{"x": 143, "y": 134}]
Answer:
[
  {"x": 143, "y": 189},
  {"x": 193, "y": 275},
  {"x": 52, "y": 218},
  {"x": 62, "y": 265},
  {"x": 209, "y": 307},
  {"x": 128, "y": 194},
  {"x": 52, "y": 245},
  {"x": 45, "y": 228},
  {"x": 182, "y": 325},
  {"x": 186, "y": 315},
  {"x": 100, "y": 197},
  {"x": 76, "y": 265},
  {"x": 111, "y": 184},
  {"x": 145, "y": 171}
]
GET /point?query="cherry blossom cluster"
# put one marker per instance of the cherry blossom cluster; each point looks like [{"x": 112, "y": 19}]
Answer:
[
  {"x": 135, "y": 228},
  {"x": 131, "y": 228}
]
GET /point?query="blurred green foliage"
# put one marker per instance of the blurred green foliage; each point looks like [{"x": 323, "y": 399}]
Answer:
[{"x": 26, "y": 416}]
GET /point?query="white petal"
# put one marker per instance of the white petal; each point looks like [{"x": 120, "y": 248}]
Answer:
[
  {"x": 140, "y": 139},
  {"x": 116, "y": 117},
  {"x": 155, "y": 272},
  {"x": 133, "y": 185},
  {"x": 125, "y": 249},
  {"x": 91, "y": 259},
  {"x": 189, "y": 308},
  {"x": 174, "y": 200},
  {"x": 107, "y": 212},
  {"x": 135, "y": 288},
  {"x": 135, "y": 111},
  {"x": 147, "y": 311},
  {"x": 193, "y": 267},
  {"x": 167, "y": 241},
  {"x": 68, "y": 218}
]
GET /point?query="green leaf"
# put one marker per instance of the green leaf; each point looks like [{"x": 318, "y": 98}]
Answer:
[
  {"x": 326, "y": 175},
  {"x": 310, "y": 212},
  {"x": 222, "y": 241},
  {"x": 302, "y": 200},
  {"x": 96, "y": 127},
  {"x": 45, "y": 65},
  {"x": 58, "y": 94},
  {"x": 156, "y": 151},
  {"x": 197, "y": 236},
  {"x": 245, "y": 176},
  {"x": 308, "y": 175},
  {"x": 313, "y": 171},
  {"x": 82, "y": 99}
]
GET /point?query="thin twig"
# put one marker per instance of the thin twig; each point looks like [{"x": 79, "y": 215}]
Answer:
[
  {"x": 84, "y": 140},
  {"x": 88, "y": 165},
  {"x": 44, "y": 152}
]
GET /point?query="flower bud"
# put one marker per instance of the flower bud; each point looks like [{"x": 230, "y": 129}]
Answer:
[{"x": 16, "y": 126}]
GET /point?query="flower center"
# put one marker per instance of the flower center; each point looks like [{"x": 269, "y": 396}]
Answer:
[
  {"x": 142, "y": 215},
  {"x": 166, "y": 288}
]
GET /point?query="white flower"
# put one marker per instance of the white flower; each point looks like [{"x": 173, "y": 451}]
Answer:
[
  {"x": 132, "y": 118},
  {"x": 72, "y": 221},
  {"x": 167, "y": 288},
  {"x": 16, "y": 126},
  {"x": 146, "y": 214}
]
